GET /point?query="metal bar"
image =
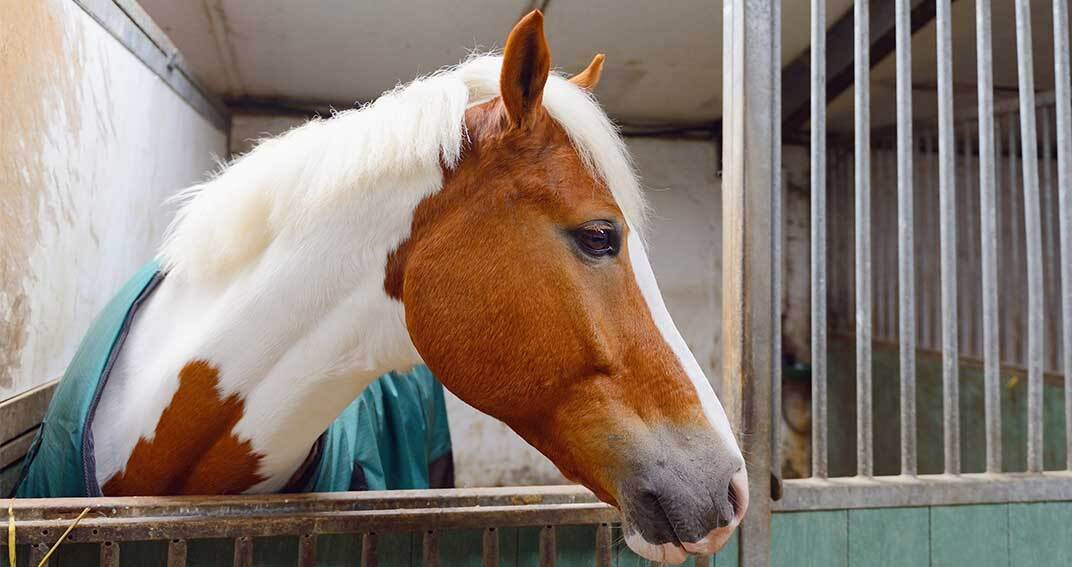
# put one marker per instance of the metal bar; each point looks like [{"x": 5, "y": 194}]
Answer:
[
  {"x": 109, "y": 554},
  {"x": 818, "y": 239},
  {"x": 547, "y": 547},
  {"x": 839, "y": 40},
  {"x": 489, "y": 551},
  {"x": 243, "y": 551},
  {"x": 337, "y": 522},
  {"x": 604, "y": 549},
  {"x": 369, "y": 557},
  {"x": 923, "y": 490},
  {"x": 747, "y": 255},
  {"x": 906, "y": 276},
  {"x": 778, "y": 262},
  {"x": 1064, "y": 200},
  {"x": 1032, "y": 235},
  {"x": 517, "y": 498},
  {"x": 864, "y": 466},
  {"x": 266, "y": 524},
  {"x": 176, "y": 553},
  {"x": 306, "y": 550},
  {"x": 988, "y": 237},
  {"x": 134, "y": 30},
  {"x": 430, "y": 549},
  {"x": 948, "y": 228}
]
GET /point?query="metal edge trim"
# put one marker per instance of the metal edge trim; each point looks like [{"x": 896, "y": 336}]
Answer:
[
  {"x": 134, "y": 29},
  {"x": 926, "y": 490}
]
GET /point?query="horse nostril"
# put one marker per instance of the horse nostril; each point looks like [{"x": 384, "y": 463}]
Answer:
[{"x": 735, "y": 502}]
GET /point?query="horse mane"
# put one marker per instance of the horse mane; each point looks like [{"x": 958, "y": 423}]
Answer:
[{"x": 223, "y": 224}]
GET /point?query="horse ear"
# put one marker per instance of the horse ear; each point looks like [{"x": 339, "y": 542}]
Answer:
[
  {"x": 589, "y": 78},
  {"x": 526, "y": 64}
]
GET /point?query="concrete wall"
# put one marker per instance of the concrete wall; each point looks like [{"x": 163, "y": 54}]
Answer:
[{"x": 91, "y": 143}]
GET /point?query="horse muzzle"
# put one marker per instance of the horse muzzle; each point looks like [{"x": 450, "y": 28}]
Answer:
[{"x": 684, "y": 503}]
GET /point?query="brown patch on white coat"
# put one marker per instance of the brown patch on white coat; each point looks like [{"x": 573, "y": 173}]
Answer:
[{"x": 194, "y": 449}]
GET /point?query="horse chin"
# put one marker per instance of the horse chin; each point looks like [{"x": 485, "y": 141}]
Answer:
[{"x": 671, "y": 553}]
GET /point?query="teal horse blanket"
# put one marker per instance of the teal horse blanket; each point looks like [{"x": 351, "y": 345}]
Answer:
[{"x": 394, "y": 436}]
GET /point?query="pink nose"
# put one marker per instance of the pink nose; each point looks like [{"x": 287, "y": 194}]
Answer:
[{"x": 716, "y": 538}]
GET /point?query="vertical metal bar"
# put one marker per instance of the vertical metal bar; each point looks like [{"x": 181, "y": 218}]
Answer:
[
  {"x": 818, "y": 238},
  {"x": 988, "y": 237},
  {"x": 306, "y": 550},
  {"x": 747, "y": 255},
  {"x": 862, "y": 62},
  {"x": 1032, "y": 235},
  {"x": 430, "y": 549},
  {"x": 489, "y": 551},
  {"x": 176, "y": 553},
  {"x": 1064, "y": 201},
  {"x": 947, "y": 197},
  {"x": 777, "y": 223},
  {"x": 906, "y": 236},
  {"x": 604, "y": 556},
  {"x": 369, "y": 556},
  {"x": 109, "y": 554},
  {"x": 243, "y": 551},
  {"x": 547, "y": 546}
]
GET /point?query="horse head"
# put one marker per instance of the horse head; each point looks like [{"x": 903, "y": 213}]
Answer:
[{"x": 528, "y": 291}]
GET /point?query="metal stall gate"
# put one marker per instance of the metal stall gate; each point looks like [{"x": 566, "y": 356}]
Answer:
[{"x": 975, "y": 263}]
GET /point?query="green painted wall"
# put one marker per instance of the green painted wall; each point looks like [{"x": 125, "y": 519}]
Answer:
[
  {"x": 886, "y": 412},
  {"x": 1036, "y": 535}
]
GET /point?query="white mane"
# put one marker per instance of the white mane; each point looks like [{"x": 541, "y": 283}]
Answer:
[{"x": 225, "y": 223}]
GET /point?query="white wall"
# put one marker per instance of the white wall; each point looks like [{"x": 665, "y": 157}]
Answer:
[{"x": 91, "y": 143}]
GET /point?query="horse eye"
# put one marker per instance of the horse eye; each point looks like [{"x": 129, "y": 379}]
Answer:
[{"x": 597, "y": 238}]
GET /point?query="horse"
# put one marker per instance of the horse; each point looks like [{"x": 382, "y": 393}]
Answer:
[{"x": 486, "y": 221}]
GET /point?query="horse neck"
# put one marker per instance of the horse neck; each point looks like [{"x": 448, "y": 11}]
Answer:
[{"x": 294, "y": 337}]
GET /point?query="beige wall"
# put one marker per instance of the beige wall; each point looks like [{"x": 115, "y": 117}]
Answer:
[{"x": 91, "y": 143}]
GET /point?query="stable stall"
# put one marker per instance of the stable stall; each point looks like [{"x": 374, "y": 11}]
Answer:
[{"x": 862, "y": 228}]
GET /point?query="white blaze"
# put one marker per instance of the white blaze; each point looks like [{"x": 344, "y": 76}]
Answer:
[{"x": 649, "y": 288}]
